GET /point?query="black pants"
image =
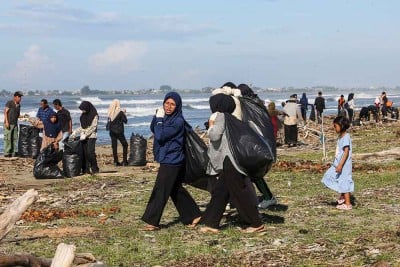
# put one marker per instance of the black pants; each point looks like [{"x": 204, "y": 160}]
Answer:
[
  {"x": 262, "y": 186},
  {"x": 231, "y": 185},
  {"x": 351, "y": 114},
  {"x": 89, "y": 154},
  {"x": 169, "y": 184},
  {"x": 291, "y": 132},
  {"x": 121, "y": 137}
]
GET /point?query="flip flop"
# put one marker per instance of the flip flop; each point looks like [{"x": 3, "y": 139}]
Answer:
[
  {"x": 251, "y": 230},
  {"x": 149, "y": 228}
]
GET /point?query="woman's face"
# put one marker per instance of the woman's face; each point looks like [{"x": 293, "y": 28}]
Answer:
[
  {"x": 169, "y": 106},
  {"x": 53, "y": 119},
  {"x": 336, "y": 127}
]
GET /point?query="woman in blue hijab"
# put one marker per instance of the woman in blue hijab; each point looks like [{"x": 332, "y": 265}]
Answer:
[{"x": 168, "y": 148}]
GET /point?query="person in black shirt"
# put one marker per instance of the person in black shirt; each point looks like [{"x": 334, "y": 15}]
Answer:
[
  {"x": 319, "y": 106},
  {"x": 11, "y": 114},
  {"x": 64, "y": 118}
]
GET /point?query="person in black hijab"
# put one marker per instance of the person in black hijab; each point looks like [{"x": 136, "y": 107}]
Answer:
[
  {"x": 232, "y": 184},
  {"x": 88, "y": 136}
]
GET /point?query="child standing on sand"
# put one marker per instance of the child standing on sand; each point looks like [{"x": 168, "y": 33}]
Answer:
[{"x": 339, "y": 176}]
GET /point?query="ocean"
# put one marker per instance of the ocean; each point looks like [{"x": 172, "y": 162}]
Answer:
[{"x": 141, "y": 107}]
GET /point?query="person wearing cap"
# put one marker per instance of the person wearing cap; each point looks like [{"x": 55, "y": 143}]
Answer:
[{"x": 12, "y": 112}]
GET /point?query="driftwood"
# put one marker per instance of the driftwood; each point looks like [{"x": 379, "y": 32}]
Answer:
[
  {"x": 24, "y": 260},
  {"x": 386, "y": 153},
  {"x": 14, "y": 211},
  {"x": 27, "y": 260},
  {"x": 65, "y": 255}
]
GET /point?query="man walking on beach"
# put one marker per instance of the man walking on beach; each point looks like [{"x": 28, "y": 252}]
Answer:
[
  {"x": 64, "y": 117},
  {"x": 12, "y": 111},
  {"x": 319, "y": 106}
]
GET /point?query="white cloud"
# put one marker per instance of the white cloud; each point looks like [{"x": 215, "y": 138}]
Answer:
[
  {"x": 124, "y": 56},
  {"x": 32, "y": 67}
]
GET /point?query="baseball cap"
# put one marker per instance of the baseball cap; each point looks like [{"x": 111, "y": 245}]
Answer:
[{"x": 18, "y": 93}]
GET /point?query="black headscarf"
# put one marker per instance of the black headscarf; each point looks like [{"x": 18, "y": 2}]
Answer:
[
  {"x": 350, "y": 97},
  {"x": 222, "y": 103},
  {"x": 89, "y": 114},
  {"x": 245, "y": 90},
  {"x": 229, "y": 84}
]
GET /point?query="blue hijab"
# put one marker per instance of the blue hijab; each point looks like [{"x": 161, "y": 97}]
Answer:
[
  {"x": 169, "y": 134},
  {"x": 52, "y": 129}
]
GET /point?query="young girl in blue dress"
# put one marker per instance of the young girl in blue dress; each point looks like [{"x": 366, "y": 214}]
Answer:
[{"x": 339, "y": 176}]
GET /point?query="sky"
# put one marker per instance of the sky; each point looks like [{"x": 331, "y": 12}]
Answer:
[{"x": 129, "y": 44}]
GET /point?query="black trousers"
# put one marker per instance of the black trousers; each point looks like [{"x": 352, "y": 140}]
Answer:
[
  {"x": 231, "y": 185},
  {"x": 169, "y": 184},
  {"x": 114, "y": 144},
  {"x": 262, "y": 186},
  {"x": 291, "y": 132},
  {"x": 89, "y": 154}
]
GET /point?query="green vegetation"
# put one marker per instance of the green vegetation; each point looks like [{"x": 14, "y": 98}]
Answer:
[{"x": 305, "y": 229}]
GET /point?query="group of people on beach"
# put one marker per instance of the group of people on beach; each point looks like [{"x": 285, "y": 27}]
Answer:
[
  {"x": 55, "y": 126},
  {"x": 228, "y": 181}
]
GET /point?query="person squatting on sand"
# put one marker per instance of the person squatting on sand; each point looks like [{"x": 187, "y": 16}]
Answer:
[
  {"x": 116, "y": 120},
  {"x": 88, "y": 136},
  {"x": 232, "y": 184},
  {"x": 339, "y": 176},
  {"x": 168, "y": 148}
]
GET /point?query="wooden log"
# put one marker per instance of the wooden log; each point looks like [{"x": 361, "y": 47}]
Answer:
[
  {"x": 64, "y": 256},
  {"x": 14, "y": 211},
  {"x": 25, "y": 260}
]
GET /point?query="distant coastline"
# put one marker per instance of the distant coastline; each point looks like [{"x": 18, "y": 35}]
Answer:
[{"x": 87, "y": 91}]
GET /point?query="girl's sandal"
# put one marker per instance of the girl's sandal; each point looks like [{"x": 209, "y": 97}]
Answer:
[
  {"x": 340, "y": 201},
  {"x": 344, "y": 207},
  {"x": 150, "y": 228},
  {"x": 251, "y": 230}
]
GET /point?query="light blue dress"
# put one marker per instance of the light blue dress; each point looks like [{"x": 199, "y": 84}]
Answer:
[{"x": 341, "y": 182}]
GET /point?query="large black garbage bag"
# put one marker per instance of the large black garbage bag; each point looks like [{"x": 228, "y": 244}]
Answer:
[
  {"x": 137, "y": 155},
  {"x": 196, "y": 159},
  {"x": 29, "y": 141},
  {"x": 255, "y": 112},
  {"x": 72, "y": 158},
  {"x": 45, "y": 166},
  {"x": 250, "y": 150}
]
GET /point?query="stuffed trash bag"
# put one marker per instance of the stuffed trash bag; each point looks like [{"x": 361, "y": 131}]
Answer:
[
  {"x": 29, "y": 141},
  {"x": 45, "y": 166},
  {"x": 137, "y": 155},
  {"x": 196, "y": 159},
  {"x": 255, "y": 114},
  {"x": 250, "y": 150},
  {"x": 72, "y": 158}
]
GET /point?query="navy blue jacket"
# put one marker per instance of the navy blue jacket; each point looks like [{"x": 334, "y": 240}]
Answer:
[{"x": 168, "y": 147}]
